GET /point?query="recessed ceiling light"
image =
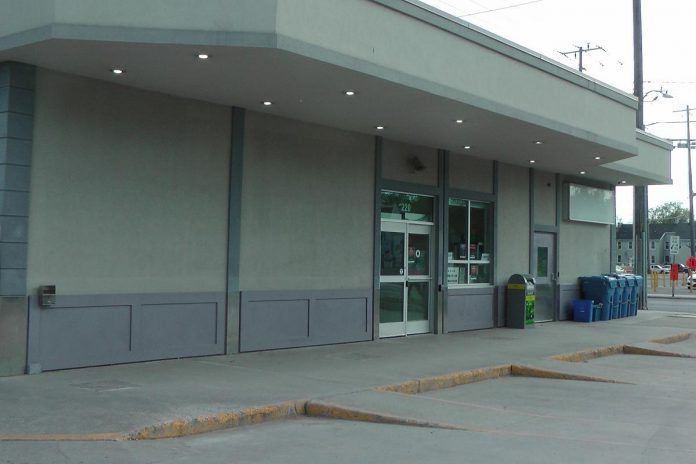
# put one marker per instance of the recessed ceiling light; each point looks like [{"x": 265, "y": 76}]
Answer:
[
  {"x": 117, "y": 71},
  {"x": 582, "y": 173},
  {"x": 532, "y": 161},
  {"x": 459, "y": 121},
  {"x": 467, "y": 147},
  {"x": 597, "y": 158},
  {"x": 267, "y": 103},
  {"x": 379, "y": 127},
  {"x": 622, "y": 182},
  {"x": 203, "y": 56},
  {"x": 538, "y": 142},
  {"x": 349, "y": 93}
]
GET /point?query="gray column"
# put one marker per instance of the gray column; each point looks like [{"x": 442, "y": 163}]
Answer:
[
  {"x": 234, "y": 229},
  {"x": 16, "y": 129}
]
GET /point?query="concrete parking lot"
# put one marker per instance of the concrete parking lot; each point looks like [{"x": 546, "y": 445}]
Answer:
[{"x": 624, "y": 394}]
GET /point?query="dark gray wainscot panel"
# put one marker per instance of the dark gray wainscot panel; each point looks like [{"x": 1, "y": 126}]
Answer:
[
  {"x": 567, "y": 293},
  {"x": 271, "y": 320},
  {"x": 470, "y": 308},
  {"x": 95, "y": 330}
]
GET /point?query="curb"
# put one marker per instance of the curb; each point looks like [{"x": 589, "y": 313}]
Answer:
[
  {"x": 454, "y": 379},
  {"x": 182, "y": 427},
  {"x": 680, "y": 337},
  {"x": 334, "y": 411},
  {"x": 586, "y": 355}
]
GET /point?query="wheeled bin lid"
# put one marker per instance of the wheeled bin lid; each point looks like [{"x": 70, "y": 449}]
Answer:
[
  {"x": 620, "y": 280},
  {"x": 631, "y": 280},
  {"x": 601, "y": 280}
]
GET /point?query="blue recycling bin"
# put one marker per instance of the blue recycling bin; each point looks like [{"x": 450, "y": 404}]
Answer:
[
  {"x": 625, "y": 294},
  {"x": 582, "y": 310},
  {"x": 600, "y": 289},
  {"x": 639, "y": 292},
  {"x": 632, "y": 287}
]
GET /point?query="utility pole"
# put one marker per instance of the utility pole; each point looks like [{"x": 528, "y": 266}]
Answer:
[
  {"x": 640, "y": 192},
  {"x": 579, "y": 53},
  {"x": 691, "y": 187}
]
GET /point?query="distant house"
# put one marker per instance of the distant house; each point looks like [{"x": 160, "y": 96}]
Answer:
[{"x": 658, "y": 244}]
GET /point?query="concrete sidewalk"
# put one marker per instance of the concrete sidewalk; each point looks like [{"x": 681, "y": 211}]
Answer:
[{"x": 122, "y": 401}]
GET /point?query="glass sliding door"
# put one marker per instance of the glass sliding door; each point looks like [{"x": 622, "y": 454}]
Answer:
[{"x": 405, "y": 297}]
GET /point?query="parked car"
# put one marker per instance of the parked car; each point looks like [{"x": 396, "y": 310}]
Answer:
[
  {"x": 659, "y": 269},
  {"x": 683, "y": 268}
]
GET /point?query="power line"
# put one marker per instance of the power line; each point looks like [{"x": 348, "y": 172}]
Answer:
[{"x": 499, "y": 9}]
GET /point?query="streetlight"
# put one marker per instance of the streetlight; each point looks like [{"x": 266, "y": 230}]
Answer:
[{"x": 661, "y": 93}]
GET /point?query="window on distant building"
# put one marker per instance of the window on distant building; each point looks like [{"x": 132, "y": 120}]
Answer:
[
  {"x": 667, "y": 245},
  {"x": 667, "y": 259},
  {"x": 652, "y": 244},
  {"x": 619, "y": 244},
  {"x": 630, "y": 245},
  {"x": 652, "y": 260},
  {"x": 618, "y": 258}
]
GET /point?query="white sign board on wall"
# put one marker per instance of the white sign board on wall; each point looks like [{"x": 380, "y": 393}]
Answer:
[{"x": 590, "y": 204}]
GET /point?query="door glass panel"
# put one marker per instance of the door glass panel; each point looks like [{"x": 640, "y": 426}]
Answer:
[
  {"x": 542, "y": 262},
  {"x": 418, "y": 254},
  {"x": 418, "y": 301},
  {"x": 391, "y": 302},
  {"x": 406, "y": 206},
  {"x": 392, "y": 254}
]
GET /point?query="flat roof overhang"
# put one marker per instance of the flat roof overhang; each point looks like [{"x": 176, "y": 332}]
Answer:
[{"x": 307, "y": 82}]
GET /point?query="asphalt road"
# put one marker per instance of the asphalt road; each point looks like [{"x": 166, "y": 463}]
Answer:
[{"x": 680, "y": 305}]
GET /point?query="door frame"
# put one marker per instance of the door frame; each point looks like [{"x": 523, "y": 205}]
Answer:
[
  {"x": 405, "y": 328},
  {"x": 553, "y": 232}
]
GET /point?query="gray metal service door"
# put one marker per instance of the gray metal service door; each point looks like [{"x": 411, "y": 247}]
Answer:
[{"x": 544, "y": 269}]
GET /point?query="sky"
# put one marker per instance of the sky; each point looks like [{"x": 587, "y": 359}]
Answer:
[{"x": 552, "y": 26}]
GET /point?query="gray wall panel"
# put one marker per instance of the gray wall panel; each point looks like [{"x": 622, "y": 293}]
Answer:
[
  {"x": 13, "y": 335},
  {"x": 91, "y": 330},
  {"x": 336, "y": 320},
  {"x": 268, "y": 324},
  {"x": 16, "y": 131},
  {"x": 84, "y": 336},
  {"x": 13, "y": 229},
  {"x": 567, "y": 293},
  {"x": 14, "y": 203},
  {"x": 288, "y": 319},
  {"x": 182, "y": 329},
  {"x": 470, "y": 309},
  {"x": 14, "y": 177},
  {"x": 16, "y": 125},
  {"x": 13, "y": 255},
  {"x": 15, "y": 151},
  {"x": 16, "y": 100},
  {"x": 13, "y": 282}
]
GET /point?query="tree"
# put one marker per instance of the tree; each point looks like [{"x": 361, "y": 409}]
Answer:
[{"x": 671, "y": 212}]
